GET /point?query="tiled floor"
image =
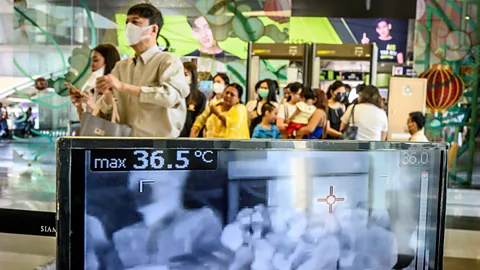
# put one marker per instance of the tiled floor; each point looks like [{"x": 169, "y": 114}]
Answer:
[{"x": 27, "y": 173}]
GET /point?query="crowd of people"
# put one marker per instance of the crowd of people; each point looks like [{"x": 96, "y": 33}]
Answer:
[{"x": 158, "y": 96}]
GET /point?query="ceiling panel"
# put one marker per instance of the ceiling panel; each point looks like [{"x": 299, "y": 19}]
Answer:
[
  {"x": 399, "y": 9},
  {"x": 302, "y": 8}
]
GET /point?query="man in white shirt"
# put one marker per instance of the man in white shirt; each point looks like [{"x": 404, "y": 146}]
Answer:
[
  {"x": 416, "y": 121},
  {"x": 150, "y": 88}
]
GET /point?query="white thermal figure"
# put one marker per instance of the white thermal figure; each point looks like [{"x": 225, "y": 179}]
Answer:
[
  {"x": 244, "y": 219},
  {"x": 257, "y": 224},
  {"x": 281, "y": 262},
  {"x": 353, "y": 224},
  {"x": 413, "y": 244},
  {"x": 382, "y": 248},
  {"x": 358, "y": 232},
  {"x": 96, "y": 237},
  {"x": 332, "y": 225},
  {"x": 296, "y": 226},
  {"x": 167, "y": 192},
  {"x": 279, "y": 219},
  {"x": 380, "y": 218},
  {"x": 243, "y": 258},
  {"x": 244, "y": 216},
  {"x": 232, "y": 236},
  {"x": 324, "y": 256},
  {"x": 263, "y": 255}
]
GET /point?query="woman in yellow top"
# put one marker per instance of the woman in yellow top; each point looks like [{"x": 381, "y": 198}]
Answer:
[{"x": 227, "y": 119}]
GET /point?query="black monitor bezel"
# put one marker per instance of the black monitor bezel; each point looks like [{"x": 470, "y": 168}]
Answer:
[{"x": 70, "y": 238}]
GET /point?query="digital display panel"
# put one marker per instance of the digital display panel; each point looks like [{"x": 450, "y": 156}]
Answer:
[{"x": 258, "y": 209}]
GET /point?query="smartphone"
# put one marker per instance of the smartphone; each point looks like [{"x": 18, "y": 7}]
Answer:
[{"x": 74, "y": 91}]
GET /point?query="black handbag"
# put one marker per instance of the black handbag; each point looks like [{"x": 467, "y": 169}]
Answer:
[{"x": 350, "y": 133}]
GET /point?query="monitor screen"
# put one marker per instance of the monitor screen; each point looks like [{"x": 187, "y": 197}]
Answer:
[
  {"x": 390, "y": 35},
  {"x": 250, "y": 208}
]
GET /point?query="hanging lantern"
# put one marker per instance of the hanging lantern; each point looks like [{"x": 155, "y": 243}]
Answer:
[
  {"x": 278, "y": 10},
  {"x": 444, "y": 88}
]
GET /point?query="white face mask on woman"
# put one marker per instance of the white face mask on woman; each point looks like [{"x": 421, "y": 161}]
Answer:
[
  {"x": 218, "y": 88},
  {"x": 189, "y": 79},
  {"x": 135, "y": 33},
  {"x": 90, "y": 83}
]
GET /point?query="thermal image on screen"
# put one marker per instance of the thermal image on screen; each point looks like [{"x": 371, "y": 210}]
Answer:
[{"x": 262, "y": 210}]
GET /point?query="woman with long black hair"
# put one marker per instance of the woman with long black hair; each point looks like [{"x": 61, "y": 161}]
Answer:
[
  {"x": 104, "y": 58},
  {"x": 266, "y": 91},
  {"x": 335, "y": 110},
  {"x": 196, "y": 100}
]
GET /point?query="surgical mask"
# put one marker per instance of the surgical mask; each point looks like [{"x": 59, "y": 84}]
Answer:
[
  {"x": 189, "y": 80},
  {"x": 135, "y": 33},
  {"x": 339, "y": 97},
  {"x": 218, "y": 88},
  {"x": 91, "y": 82},
  {"x": 99, "y": 72},
  {"x": 263, "y": 93}
]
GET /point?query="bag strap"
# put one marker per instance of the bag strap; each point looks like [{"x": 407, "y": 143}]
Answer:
[
  {"x": 352, "y": 117},
  {"x": 256, "y": 107},
  {"x": 98, "y": 105}
]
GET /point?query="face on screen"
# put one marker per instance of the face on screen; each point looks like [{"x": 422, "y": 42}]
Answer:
[
  {"x": 263, "y": 210},
  {"x": 202, "y": 31},
  {"x": 383, "y": 29}
]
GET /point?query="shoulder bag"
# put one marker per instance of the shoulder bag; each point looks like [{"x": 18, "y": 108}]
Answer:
[
  {"x": 350, "y": 133},
  {"x": 92, "y": 125}
]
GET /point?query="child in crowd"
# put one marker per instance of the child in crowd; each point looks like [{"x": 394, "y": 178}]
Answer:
[
  {"x": 267, "y": 129},
  {"x": 301, "y": 116}
]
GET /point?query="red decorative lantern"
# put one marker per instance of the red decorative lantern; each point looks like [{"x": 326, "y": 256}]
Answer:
[
  {"x": 278, "y": 10},
  {"x": 41, "y": 84},
  {"x": 444, "y": 88}
]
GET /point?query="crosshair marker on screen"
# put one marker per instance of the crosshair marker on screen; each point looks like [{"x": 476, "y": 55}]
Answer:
[{"x": 331, "y": 199}]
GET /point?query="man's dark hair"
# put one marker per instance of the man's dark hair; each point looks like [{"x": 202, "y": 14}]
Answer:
[
  {"x": 418, "y": 118},
  {"x": 149, "y": 12},
  {"x": 381, "y": 20},
  {"x": 110, "y": 54},
  {"x": 268, "y": 107},
  {"x": 295, "y": 87},
  {"x": 308, "y": 94}
]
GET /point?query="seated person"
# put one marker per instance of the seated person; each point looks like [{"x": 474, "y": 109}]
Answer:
[
  {"x": 416, "y": 121},
  {"x": 267, "y": 129},
  {"x": 305, "y": 110}
]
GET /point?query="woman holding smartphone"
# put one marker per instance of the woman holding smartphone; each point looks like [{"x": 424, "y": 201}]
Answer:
[{"x": 104, "y": 58}]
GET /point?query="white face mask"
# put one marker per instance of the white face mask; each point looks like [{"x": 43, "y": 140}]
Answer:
[
  {"x": 90, "y": 83},
  {"x": 99, "y": 72},
  {"x": 218, "y": 88},
  {"x": 135, "y": 33},
  {"x": 189, "y": 80}
]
